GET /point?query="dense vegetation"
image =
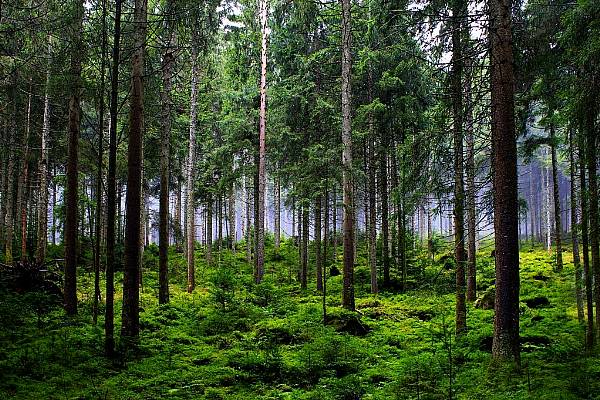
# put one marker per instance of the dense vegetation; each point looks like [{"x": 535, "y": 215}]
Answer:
[{"x": 299, "y": 199}]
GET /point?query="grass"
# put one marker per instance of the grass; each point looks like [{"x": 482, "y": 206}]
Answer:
[{"x": 231, "y": 339}]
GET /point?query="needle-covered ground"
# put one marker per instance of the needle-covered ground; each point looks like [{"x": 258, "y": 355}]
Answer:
[{"x": 232, "y": 339}]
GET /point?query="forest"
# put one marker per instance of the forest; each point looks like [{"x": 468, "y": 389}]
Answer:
[{"x": 308, "y": 199}]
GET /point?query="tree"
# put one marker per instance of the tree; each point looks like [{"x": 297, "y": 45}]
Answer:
[
  {"x": 131, "y": 276},
  {"x": 505, "y": 346},
  {"x": 71, "y": 223},
  {"x": 347, "y": 183}
]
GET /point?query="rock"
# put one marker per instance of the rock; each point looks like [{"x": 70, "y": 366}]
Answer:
[
  {"x": 348, "y": 323},
  {"x": 540, "y": 277},
  {"x": 334, "y": 271},
  {"x": 487, "y": 299},
  {"x": 538, "y": 302},
  {"x": 421, "y": 315}
]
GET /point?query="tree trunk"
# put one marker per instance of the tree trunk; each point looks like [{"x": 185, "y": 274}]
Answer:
[
  {"x": 471, "y": 194},
  {"x": 556, "y": 194},
  {"x": 131, "y": 274},
  {"x": 372, "y": 209},
  {"x": 347, "y": 176},
  {"x": 458, "y": 15},
  {"x": 71, "y": 195},
  {"x": 209, "y": 230},
  {"x": 587, "y": 273},
  {"x": 22, "y": 183},
  {"x": 260, "y": 221},
  {"x": 277, "y": 229},
  {"x": 385, "y": 231},
  {"x": 592, "y": 165},
  {"x": 575, "y": 233},
  {"x": 505, "y": 345},
  {"x": 318, "y": 254},
  {"x": 168, "y": 62},
  {"x": 305, "y": 220},
  {"x": 190, "y": 173},
  {"x": 42, "y": 232},
  {"x": 99, "y": 208},
  {"x": 231, "y": 218}
]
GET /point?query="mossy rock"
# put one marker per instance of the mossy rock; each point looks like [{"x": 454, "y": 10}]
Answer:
[
  {"x": 347, "y": 322},
  {"x": 537, "y": 302},
  {"x": 487, "y": 299}
]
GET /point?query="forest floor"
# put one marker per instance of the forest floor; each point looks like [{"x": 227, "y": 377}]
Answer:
[{"x": 232, "y": 339}]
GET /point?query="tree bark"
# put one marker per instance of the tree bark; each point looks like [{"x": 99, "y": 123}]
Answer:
[
  {"x": 260, "y": 221},
  {"x": 304, "y": 271},
  {"x": 111, "y": 192},
  {"x": 22, "y": 182},
  {"x": 458, "y": 16},
  {"x": 190, "y": 173},
  {"x": 372, "y": 208},
  {"x": 471, "y": 193},
  {"x": 71, "y": 195},
  {"x": 277, "y": 229},
  {"x": 575, "y": 233},
  {"x": 556, "y": 194},
  {"x": 347, "y": 179},
  {"x": 168, "y": 63},
  {"x": 131, "y": 274},
  {"x": 318, "y": 254},
  {"x": 505, "y": 345}
]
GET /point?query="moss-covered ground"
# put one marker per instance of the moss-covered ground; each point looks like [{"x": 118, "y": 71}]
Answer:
[{"x": 231, "y": 339}]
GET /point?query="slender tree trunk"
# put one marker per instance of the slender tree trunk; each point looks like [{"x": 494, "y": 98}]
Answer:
[
  {"x": 347, "y": 176},
  {"x": 505, "y": 346},
  {"x": 42, "y": 233},
  {"x": 248, "y": 224},
  {"x": 131, "y": 274},
  {"x": 587, "y": 272},
  {"x": 97, "y": 236},
  {"x": 209, "y": 230},
  {"x": 23, "y": 181},
  {"x": 592, "y": 165},
  {"x": 575, "y": 233},
  {"x": 372, "y": 208},
  {"x": 334, "y": 222},
  {"x": 168, "y": 63},
  {"x": 471, "y": 194},
  {"x": 178, "y": 229},
  {"x": 305, "y": 232},
  {"x": 385, "y": 231},
  {"x": 531, "y": 204},
  {"x": 190, "y": 173},
  {"x": 71, "y": 195},
  {"x": 277, "y": 229},
  {"x": 458, "y": 15},
  {"x": 556, "y": 193},
  {"x": 260, "y": 221},
  {"x": 325, "y": 234},
  {"x": 231, "y": 218},
  {"x": 318, "y": 254}
]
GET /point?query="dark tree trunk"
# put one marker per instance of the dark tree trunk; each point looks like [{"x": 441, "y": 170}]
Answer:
[
  {"x": 277, "y": 228},
  {"x": 71, "y": 195},
  {"x": 209, "y": 230},
  {"x": 318, "y": 254},
  {"x": 587, "y": 273},
  {"x": 505, "y": 345},
  {"x": 168, "y": 62},
  {"x": 347, "y": 178},
  {"x": 556, "y": 194},
  {"x": 111, "y": 187},
  {"x": 471, "y": 193},
  {"x": 372, "y": 209},
  {"x": 385, "y": 231},
  {"x": 99, "y": 208},
  {"x": 131, "y": 274},
  {"x": 305, "y": 220},
  {"x": 458, "y": 16},
  {"x": 190, "y": 211},
  {"x": 575, "y": 233}
]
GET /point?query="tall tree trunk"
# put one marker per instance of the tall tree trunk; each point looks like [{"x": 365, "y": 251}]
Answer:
[
  {"x": 505, "y": 345},
  {"x": 575, "y": 233},
  {"x": 277, "y": 229},
  {"x": 532, "y": 204},
  {"x": 131, "y": 274},
  {"x": 318, "y": 254},
  {"x": 190, "y": 173},
  {"x": 458, "y": 16},
  {"x": 178, "y": 230},
  {"x": 42, "y": 232},
  {"x": 471, "y": 193},
  {"x": 335, "y": 222},
  {"x": 347, "y": 176},
  {"x": 209, "y": 230},
  {"x": 556, "y": 194},
  {"x": 325, "y": 234},
  {"x": 372, "y": 207},
  {"x": 592, "y": 165},
  {"x": 385, "y": 231},
  {"x": 305, "y": 221},
  {"x": 587, "y": 272},
  {"x": 23, "y": 181},
  {"x": 248, "y": 223},
  {"x": 99, "y": 207},
  {"x": 231, "y": 217},
  {"x": 260, "y": 221},
  {"x": 168, "y": 63},
  {"x": 71, "y": 195}
]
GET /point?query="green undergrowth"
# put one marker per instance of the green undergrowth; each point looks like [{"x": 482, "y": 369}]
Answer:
[{"x": 232, "y": 339}]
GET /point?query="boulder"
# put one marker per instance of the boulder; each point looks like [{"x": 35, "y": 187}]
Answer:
[{"x": 487, "y": 299}]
